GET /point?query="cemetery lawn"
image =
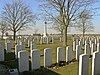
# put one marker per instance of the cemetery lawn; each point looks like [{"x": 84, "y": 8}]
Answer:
[{"x": 70, "y": 69}]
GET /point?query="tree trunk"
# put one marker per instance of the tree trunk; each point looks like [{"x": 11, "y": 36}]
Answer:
[
  {"x": 83, "y": 34},
  {"x": 62, "y": 33},
  {"x": 2, "y": 35},
  {"x": 83, "y": 31},
  {"x": 65, "y": 36},
  {"x": 14, "y": 36}
]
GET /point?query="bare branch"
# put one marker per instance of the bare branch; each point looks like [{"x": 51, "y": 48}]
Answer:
[{"x": 18, "y": 16}]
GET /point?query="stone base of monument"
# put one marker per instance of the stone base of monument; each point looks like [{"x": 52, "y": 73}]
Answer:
[
  {"x": 47, "y": 40},
  {"x": 5, "y": 37}
]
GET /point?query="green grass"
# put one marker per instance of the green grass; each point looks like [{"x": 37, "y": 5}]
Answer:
[{"x": 71, "y": 69}]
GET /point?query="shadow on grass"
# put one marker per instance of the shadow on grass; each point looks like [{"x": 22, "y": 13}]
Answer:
[
  {"x": 11, "y": 64},
  {"x": 9, "y": 56},
  {"x": 41, "y": 71},
  {"x": 10, "y": 60}
]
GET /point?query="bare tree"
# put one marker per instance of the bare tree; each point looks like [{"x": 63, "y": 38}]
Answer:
[
  {"x": 68, "y": 10},
  {"x": 58, "y": 27},
  {"x": 18, "y": 16},
  {"x": 84, "y": 23},
  {"x": 3, "y": 28}
]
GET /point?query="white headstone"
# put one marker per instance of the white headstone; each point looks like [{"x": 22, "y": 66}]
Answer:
[
  {"x": 80, "y": 43},
  {"x": 98, "y": 47},
  {"x": 17, "y": 49},
  {"x": 35, "y": 59},
  {"x": 25, "y": 41},
  {"x": 60, "y": 54},
  {"x": 47, "y": 38},
  {"x": 98, "y": 40},
  {"x": 47, "y": 57},
  {"x": 77, "y": 41},
  {"x": 91, "y": 43},
  {"x": 23, "y": 61},
  {"x": 74, "y": 45},
  {"x": 96, "y": 63},
  {"x": 41, "y": 40},
  {"x": 60, "y": 39},
  {"x": 86, "y": 42},
  {"x": 52, "y": 39},
  {"x": 23, "y": 45},
  {"x": 8, "y": 47},
  {"x": 95, "y": 41},
  {"x": 11, "y": 43},
  {"x": 87, "y": 49},
  {"x": 69, "y": 54},
  {"x": 81, "y": 40},
  {"x": 83, "y": 64},
  {"x": 34, "y": 40},
  {"x": 28, "y": 42},
  {"x": 33, "y": 46},
  {"x": 1, "y": 51},
  {"x": 93, "y": 48},
  {"x": 78, "y": 51}
]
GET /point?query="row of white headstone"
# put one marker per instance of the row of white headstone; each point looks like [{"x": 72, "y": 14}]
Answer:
[
  {"x": 35, "y": 58},
  {"x": 23, "y": 58},
  {"x": 9, "y": 45},
  {"x": 78, "y": 50},
  {"x": 22, "y": 44},
  {"x": 21, "y": 47},
  {"x": 84, "y": 64},
  {"x": 48, "y": 55},
  {"x": 90, "y": 39},
  {"x": 92, "y": 47},
  {"x": 87, "y": 49},
  {"x": 42, "y": 40},
  {"x": 82, "y": 42}
]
